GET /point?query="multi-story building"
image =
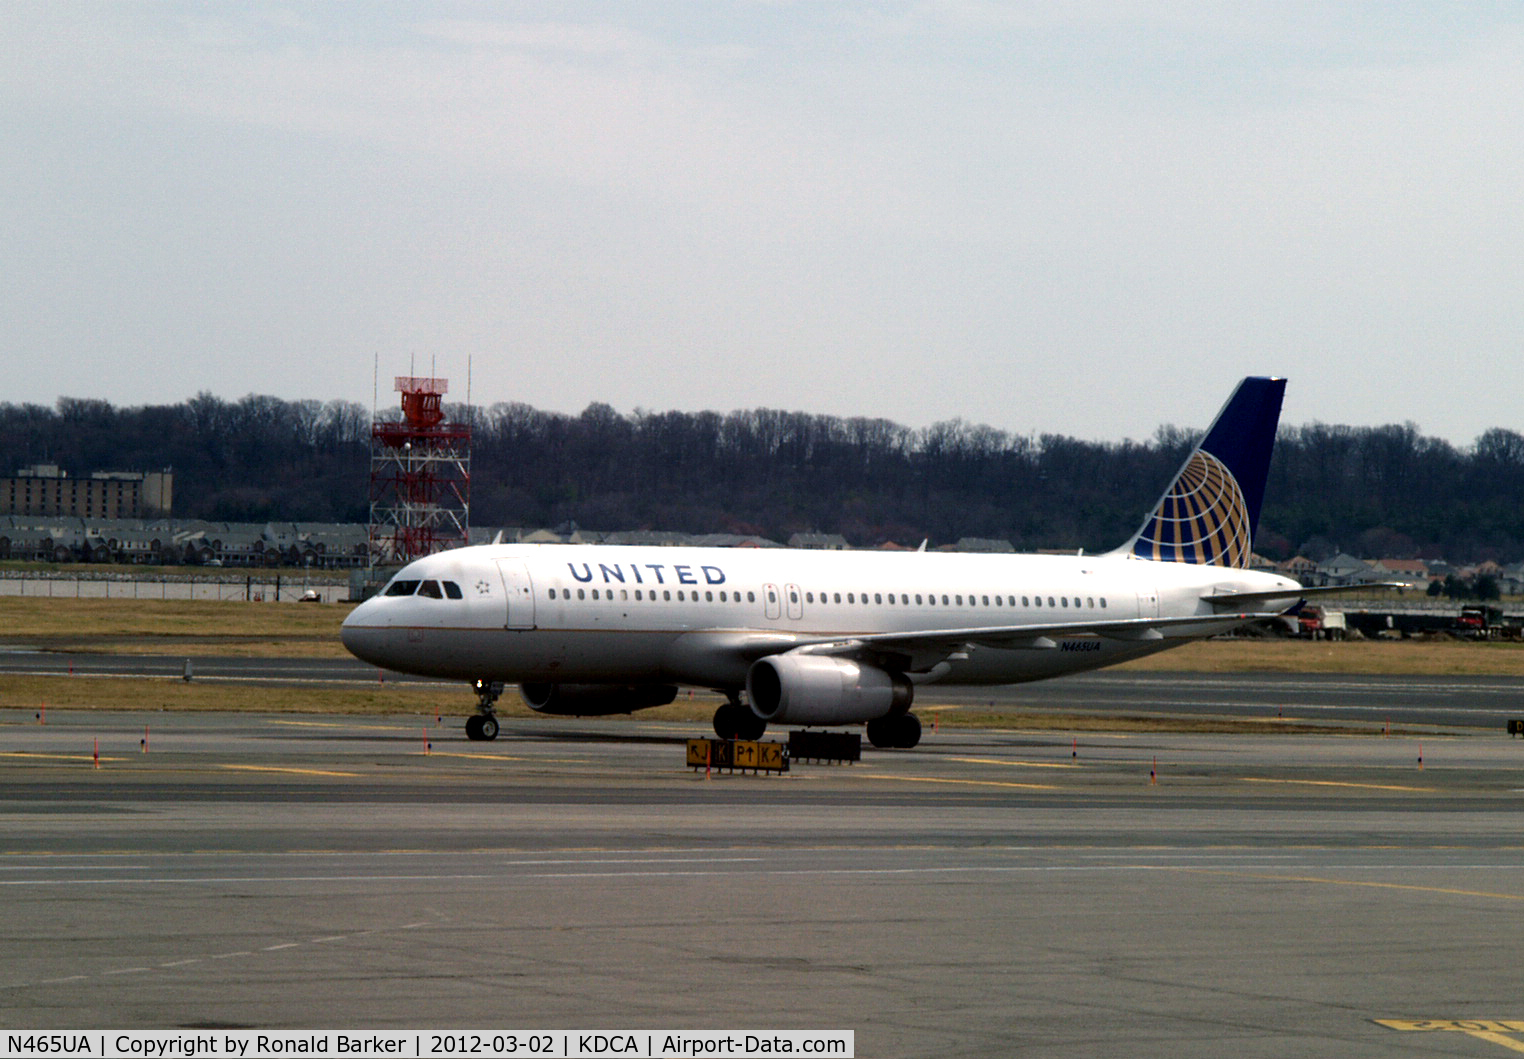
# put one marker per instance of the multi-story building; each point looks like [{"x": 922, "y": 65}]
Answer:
[{"x": 47, "y": 490}]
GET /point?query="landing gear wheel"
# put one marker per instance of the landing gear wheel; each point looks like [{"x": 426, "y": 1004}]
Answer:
[
  {"x": 751, "y": 726},
  {"x": 734, "y": 721},
  {"x": 727, "y": 719},
  {"x": 895, "y": 733},
  {"x": 909, "y": 731},
  {"x": 481, "y": 726}
]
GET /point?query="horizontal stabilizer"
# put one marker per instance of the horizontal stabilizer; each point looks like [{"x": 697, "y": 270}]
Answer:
[{"x": 1229, "y": 599}]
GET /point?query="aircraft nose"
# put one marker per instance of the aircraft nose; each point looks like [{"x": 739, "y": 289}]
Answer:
[{"x": 362, "y": 634}]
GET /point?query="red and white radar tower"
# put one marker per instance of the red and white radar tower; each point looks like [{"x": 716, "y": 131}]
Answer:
[{"x": 420, "y": 477}]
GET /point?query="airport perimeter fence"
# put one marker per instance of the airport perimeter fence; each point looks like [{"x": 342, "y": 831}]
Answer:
[{"x": 252, "y": 588}]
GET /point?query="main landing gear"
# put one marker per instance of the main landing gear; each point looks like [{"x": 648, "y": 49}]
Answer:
[
  {"x": 895, "y": 733},
  {"x": 735, "y": 721},
  {"x": 482, "y": 725}
]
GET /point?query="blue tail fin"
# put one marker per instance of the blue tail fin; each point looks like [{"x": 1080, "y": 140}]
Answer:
[{"x": 1209, "y": 514}]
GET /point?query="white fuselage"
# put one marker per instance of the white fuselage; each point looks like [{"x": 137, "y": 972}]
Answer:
[{"x": 604, "y": 614}]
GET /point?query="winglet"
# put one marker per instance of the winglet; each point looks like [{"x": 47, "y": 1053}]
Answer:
[{"x": 1209, "y": 513}]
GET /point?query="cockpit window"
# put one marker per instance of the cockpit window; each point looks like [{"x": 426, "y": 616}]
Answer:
[
  {"x": 402, "y": 588},
  {"x": 431, "y": 589},
  {"x": 452, "y": 590}
]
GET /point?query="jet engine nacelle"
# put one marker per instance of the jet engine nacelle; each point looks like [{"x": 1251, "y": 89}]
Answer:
[
  {"x": 595, "y": 700},
  {"x": 823, "y": 689}
]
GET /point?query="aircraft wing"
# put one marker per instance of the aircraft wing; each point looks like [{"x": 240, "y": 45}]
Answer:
[
  {"x": 920, "y": 650},
  {"x": 1041, "y": 637}
]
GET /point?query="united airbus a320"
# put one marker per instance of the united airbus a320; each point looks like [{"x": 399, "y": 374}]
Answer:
[{"x": 805, "y": 638}]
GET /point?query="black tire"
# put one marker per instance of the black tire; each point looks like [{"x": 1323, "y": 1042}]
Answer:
[
  {"x": 909, "y": 730},
  {"x": 727, "y": 720},
  {"x": 474, "y": 727},
  {"x": 895, "y": 733},
  {"x": 750, "y": 726},
  {"x": 488, "y": 727}
]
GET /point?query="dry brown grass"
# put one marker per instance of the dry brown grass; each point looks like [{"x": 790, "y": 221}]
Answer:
[
  {"x": 1438, "y": 657},
  {"x": 179, "y": 627}
]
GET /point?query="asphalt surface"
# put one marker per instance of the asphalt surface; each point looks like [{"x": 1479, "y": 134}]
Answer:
[
  {"x": 991, "y": 893},
  {"x": 1481, "y": 702}
]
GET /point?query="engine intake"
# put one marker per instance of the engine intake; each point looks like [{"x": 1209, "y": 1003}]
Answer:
[
  {"x": 823, "y": 689},
  {"x": 595, "y": 700}
]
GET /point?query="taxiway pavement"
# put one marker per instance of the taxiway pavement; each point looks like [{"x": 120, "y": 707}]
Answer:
[{"x": 991, "y": 893}]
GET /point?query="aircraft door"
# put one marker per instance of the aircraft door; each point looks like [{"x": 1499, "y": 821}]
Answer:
[
  {"x": 518, "y": 589},
  {"x": 772, "y": 605},
  {"x": 795, "y": 600},
  {"x": 1148, "y": 603}
]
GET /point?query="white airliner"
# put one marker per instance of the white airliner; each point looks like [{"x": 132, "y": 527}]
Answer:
[{"x": 797, "y": 637}]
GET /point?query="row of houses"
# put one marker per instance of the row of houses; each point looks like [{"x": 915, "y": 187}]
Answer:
[
  {"x": 1345, "y": 569},
  {"x": 333, "y": 546},
  {"x": 176, "y": 542}
]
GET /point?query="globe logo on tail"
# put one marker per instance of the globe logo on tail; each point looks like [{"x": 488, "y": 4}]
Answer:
[{"x": 1202, "y": 519}]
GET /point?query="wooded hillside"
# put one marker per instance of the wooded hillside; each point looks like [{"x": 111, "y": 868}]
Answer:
[{"x": 1376, "y": 491}]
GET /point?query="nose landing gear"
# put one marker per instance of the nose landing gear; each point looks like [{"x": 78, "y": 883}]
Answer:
[{"x": 483, "y": 725}]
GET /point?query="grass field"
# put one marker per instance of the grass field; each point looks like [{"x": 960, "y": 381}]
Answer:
[
  {"x": 190, "y": 629},
  {"x": 178, "y": 627}
]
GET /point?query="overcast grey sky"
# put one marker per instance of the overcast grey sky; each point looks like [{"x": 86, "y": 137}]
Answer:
[{"x": 1086, "y": 218}]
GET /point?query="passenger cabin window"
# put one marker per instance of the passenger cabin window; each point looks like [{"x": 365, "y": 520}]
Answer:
[{"x": 402, "y": 588}]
